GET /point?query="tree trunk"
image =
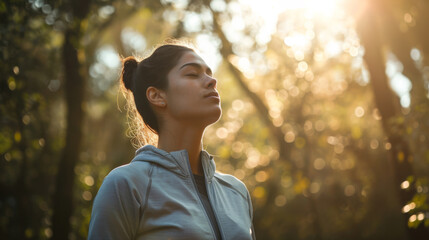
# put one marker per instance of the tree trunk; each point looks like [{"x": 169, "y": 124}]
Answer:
[
  {"x": 422, "y": 26},
  {"x": 74, "y": 92},
  {"x": 388, "y": 105}
]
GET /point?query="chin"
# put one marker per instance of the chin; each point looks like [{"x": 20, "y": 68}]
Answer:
[
  {"x": 202, "y": 117},
  {"x": 214, "y": 116}
]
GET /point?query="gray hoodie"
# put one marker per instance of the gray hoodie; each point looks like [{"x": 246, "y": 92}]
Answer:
[{"x": 155, "y": 197}]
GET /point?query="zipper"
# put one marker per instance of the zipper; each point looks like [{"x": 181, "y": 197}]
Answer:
[
  {"x": 198, "y": 194},
  {"x": 209, "y": 193}
]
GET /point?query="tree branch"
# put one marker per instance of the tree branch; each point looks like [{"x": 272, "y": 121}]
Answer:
[{"x": 226, "y": 52}]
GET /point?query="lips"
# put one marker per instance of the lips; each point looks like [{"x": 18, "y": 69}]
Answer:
[{"x": 212, "y": 94}]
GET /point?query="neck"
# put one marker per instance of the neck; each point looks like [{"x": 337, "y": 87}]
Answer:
[{"x": 175, "y": 137}]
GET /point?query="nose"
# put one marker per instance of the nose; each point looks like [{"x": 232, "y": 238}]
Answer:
[{"x": 211, "y": 82}]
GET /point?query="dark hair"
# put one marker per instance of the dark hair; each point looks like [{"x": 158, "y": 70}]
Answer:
[{"x": 150, "y": 72}]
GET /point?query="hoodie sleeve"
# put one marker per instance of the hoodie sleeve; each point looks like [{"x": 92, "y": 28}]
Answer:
[{"x": 116, "y": 208}]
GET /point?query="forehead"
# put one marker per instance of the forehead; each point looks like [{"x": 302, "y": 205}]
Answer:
[{"x": 190, "y": 57}]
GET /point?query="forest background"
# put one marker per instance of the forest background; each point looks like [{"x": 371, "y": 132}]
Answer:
[{"x": 325, "y": 109}]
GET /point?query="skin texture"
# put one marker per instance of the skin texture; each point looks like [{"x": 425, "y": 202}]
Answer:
[{"x": 187, "y": 107}]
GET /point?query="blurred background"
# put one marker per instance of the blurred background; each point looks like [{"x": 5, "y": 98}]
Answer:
[{"x": 325, "y": 109}]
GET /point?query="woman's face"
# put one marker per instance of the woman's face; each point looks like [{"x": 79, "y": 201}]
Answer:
[{"x": 192, "y": 95}]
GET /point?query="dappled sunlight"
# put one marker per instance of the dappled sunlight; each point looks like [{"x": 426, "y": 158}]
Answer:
[
  {"x": 324, "y": 108},
  {"x": 313, "y": 50}
]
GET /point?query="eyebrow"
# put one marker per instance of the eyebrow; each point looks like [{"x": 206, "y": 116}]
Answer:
[{"x": 197, "y": 65}]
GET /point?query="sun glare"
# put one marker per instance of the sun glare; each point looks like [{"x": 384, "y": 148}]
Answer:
[
  {"x": 318, "y": 8},
  {"x": 324, "y": 7}
]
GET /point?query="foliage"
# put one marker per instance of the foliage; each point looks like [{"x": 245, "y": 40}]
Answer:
[{"x": 301, "y": 125}]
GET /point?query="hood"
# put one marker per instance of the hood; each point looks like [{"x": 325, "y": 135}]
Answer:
[{"x": 177, "y": 161}]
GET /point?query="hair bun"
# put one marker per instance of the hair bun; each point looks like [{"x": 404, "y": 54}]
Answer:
[{"x": 130, "y": 66}]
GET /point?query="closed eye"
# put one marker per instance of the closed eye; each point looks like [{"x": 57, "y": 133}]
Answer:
[
  {"x": 192, "y": 75},
  {"x": 197, "y": 66}
]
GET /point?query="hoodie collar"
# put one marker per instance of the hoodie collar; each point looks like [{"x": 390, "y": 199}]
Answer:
[{"x": 176, "y": 161}]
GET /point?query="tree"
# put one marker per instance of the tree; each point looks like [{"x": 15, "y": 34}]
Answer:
[
  {"x": 318, "y": 142},
  {"x": 373, "y": 15},
  {"x": 74, "y": 92}
]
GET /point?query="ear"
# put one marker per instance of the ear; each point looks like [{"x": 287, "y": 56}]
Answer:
[{"x": 156, "y": 97}]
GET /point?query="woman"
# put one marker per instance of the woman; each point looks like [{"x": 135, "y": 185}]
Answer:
[{"x": 172, "y": 191}]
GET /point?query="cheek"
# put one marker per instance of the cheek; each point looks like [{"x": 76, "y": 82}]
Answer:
[{"x": 183, "y": 96}]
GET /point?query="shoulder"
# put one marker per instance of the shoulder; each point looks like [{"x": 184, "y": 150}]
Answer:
[
  {"x": 119, "y": 202},
  {"x": 134, "y": 174},
  {"x": 232, "y": 182}
]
